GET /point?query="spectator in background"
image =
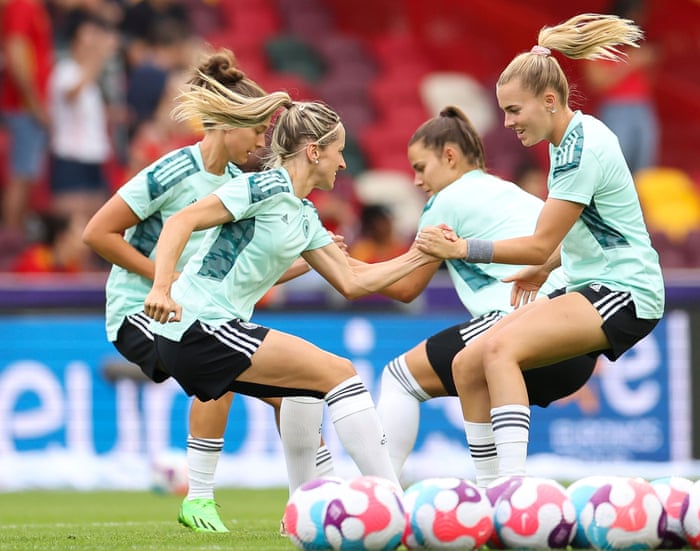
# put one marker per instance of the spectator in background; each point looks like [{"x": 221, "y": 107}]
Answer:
[
  {"x": 626, "y": 103},
  {"x": 27, "y": 49},
  {"x": 80, "y": 140},
  {"x": 60, "y": 248},
  {"x": 152, "y": 85},
  {"x": 378, "y": 240},
  {"x": 150, "y": 78},
  {"x": 140, "y": 21}
]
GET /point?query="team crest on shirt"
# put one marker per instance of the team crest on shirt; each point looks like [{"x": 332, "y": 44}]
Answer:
[{"x": 305, "y": 227}]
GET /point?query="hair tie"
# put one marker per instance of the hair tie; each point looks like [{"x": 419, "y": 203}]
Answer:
[{"x": 540, "y": 50}]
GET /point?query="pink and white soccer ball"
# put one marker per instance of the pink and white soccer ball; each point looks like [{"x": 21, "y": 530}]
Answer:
[
  {"x": 305, "y": 512},
  {"x": 535, "y": 514},
  {"x": 624, "y": 514},
  {"x": 367, "y": 514},
  {"x": 493, "y": 492},
  {"x": 672, "y": 491},
  {"x": 447, "y": 513},
  {"x": 690, "y": 516},
  {"x": 169, "y": 472}
]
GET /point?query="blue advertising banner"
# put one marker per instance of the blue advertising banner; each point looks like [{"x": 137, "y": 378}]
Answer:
[{"x": 55, "y": 402}]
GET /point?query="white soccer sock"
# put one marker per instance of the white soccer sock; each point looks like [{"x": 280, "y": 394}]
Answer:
[
  {"x": 359, "y": 430},
  {"x": 511, "y": 428},
  {"x": 482, "y": 447},
  {"x": 324, "y": 462},
  {"x": 300, "y": 430},
  {"x": 398, "y": 407},
  {"x": 202, "y": 458}
]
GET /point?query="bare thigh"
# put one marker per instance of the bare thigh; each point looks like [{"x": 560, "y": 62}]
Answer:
[
  {"x": 545, "y": 332},
  {"x": 291, "y": 362},
  {"x": 423, "y": 372}
]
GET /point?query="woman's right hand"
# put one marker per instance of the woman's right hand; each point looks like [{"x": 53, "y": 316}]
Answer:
[
  {"x": 526, "y": 284},
  {"x": 159, "y": 306}
]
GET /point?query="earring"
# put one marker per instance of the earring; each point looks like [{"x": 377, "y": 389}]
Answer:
[
  {"x": 316, "y": 161},
  {"x": 552, "y": 110}
]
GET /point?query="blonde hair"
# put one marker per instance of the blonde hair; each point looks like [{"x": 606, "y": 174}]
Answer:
[
  {"x": 219, "y": 95},
  {"x": 586, "y": 36},
  {"x": 300, "y": 124}
]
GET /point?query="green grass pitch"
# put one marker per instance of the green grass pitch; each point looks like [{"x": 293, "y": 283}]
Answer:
[{"x": 135, "y": 521}]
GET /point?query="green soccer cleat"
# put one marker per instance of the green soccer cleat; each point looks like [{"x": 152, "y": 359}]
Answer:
[{"x": 201, "y": 515}]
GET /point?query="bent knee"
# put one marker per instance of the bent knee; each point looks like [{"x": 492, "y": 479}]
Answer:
[
  {"x": 497, "y": 349},
  {"x": 341, "y": 369},
  {"x": 467, "y": 369}
]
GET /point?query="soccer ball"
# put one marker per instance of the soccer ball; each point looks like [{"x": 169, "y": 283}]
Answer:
[
  {"x": 493, "y": 492},
  {"x": 535, "y": 514},
  {"x": 305, "y": 510},
  {"x": 579, "y": 493},
  {"x": 690, "y": 516},
  {"x": 169, "y": 473},
  {"x": 447, "y": 513},
  {"x": 624, "y": 514},
  {"x": 672, "y": 491},
  {"x": 367, "y": 514}
]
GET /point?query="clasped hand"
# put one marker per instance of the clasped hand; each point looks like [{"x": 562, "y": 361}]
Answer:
[
  {"x": 440, "y": 241},
  {"x": 159, "y": 306}
]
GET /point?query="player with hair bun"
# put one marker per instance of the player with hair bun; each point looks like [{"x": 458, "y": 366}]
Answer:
[
  {"x": 591, "y": 224},
  {"x": 125, "y": 230}
]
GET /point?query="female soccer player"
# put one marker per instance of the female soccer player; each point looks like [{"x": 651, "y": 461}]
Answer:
[
  {"x": 260, "y": 223},
  {"x": 447, "y": 156},
  {"x": 126, "y": 228},
  {"x": 615, "y": 291}
]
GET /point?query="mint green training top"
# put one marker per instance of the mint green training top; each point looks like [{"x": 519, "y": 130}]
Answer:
[
  {"x": 161, "y": 189},
  {"x": 609, "y": 243},
  {"x": 238, "y": 262},
  {"x": 482, "y": 206}
]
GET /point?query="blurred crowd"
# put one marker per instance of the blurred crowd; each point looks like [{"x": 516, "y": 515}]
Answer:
[{"x": 86, "y": 92}]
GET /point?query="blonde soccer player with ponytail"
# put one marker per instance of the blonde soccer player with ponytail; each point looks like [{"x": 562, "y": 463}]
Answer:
[{"x": 614, "y": 295}]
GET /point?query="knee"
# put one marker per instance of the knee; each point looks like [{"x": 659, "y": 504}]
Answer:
[
  {"x": 497, "y": 354},
  {"x": 342, "y": 369},
  {"x": 467, "y": 370}
]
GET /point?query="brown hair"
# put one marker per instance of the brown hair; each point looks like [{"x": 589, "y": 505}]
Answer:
[
  {"x": 452, "y": 126},
  {"x": 585, "y": 36}
]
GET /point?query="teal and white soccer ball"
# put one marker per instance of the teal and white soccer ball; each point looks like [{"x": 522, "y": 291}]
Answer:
[
  {"x": 624, "y": 514},
  {"x": 447, "y": 513}
]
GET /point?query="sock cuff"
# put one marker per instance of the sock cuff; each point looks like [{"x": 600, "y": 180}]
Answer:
[
  {"x": 511, "y": 408},
  {"x": 397, "y": 371},
  {"x": 478, "y": 432},
  {"x": 205, "y": 444},
  {"x": 347, "y": 398},
  {"x": 303, "y": 399}
]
